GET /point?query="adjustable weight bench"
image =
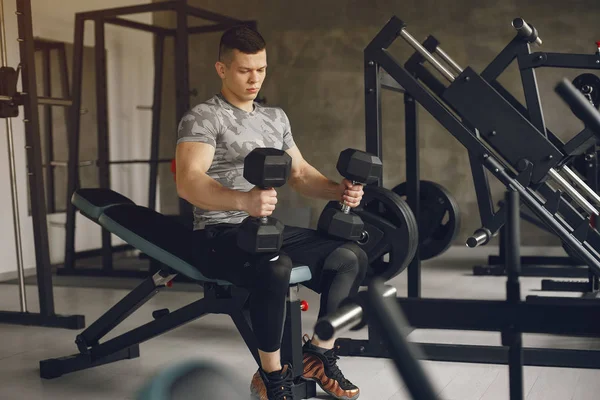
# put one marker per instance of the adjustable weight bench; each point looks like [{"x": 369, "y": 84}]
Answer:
[{"x": 169, "y": 243}]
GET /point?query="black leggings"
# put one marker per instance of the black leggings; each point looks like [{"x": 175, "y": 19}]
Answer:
[{"x": 338, "y": 267}]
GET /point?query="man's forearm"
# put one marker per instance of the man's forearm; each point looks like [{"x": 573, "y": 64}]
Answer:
[
  {"x": 311, "y": 183},
  {"x": 204, "y": 192}
]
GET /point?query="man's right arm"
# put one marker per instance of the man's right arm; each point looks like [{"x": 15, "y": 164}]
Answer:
[{"x": 193, "y": 159}]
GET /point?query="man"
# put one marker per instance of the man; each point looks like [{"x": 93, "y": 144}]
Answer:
[{"x": 213, "y": 139}]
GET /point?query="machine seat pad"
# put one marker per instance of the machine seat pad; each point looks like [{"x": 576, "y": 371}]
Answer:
[
  {"x": 93, "y": 201},
  {"x": 166, "y": 240}
]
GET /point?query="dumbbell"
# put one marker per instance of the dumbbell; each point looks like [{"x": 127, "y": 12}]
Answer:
[
  {"x": 360, "y": 168},
  {"x": 264, "y": 167}
]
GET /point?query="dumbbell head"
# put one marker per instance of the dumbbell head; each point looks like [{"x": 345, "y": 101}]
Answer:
[
  {"x": 260, "y": 235},
  {"x": 267, "y": 167},
  {"x": 342, "y": 225},
  {"x": 359, "y": 166}
]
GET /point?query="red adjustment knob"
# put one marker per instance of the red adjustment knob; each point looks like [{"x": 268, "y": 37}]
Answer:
[
  {"x": 169, "y": 284},
  {"x": 303, "y": 305},
  {"x": 173, "y": 168}
]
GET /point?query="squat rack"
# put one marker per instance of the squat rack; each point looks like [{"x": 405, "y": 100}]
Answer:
[
  {"x": 10, "y": 100},
  {"x": 182, "y": 104}
]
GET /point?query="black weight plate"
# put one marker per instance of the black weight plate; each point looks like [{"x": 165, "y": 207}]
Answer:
[
  {"x": 589, "y": 85},
  {"x": 390, "y": 228},
  {"x": 439, "y": 220}
]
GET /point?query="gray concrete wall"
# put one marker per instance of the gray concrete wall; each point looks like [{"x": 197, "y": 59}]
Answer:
[{"x": 315, "y": 55}]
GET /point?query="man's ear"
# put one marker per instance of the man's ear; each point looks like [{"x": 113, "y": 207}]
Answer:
[{"x": 220, "y": 68}]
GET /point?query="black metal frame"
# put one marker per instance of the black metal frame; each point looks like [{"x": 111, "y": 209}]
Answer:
[
  {"x": 414, "y": 79},
  {"x": 47, "y": 47},
  {"x": 29, "y": 99},
  {"x": 582, "y": 142},
  {"x": 510, "y": 317},
  {"x": 182, "y": 104},
  {"x": 486, "y": 150},
  {"x": 553, "y": 266},
  {"x": 218, "y": 299}
]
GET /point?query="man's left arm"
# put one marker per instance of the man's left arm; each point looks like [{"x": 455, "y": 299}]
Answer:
[{"x": 308, "y": 181}]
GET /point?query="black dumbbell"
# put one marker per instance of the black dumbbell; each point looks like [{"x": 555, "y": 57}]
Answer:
[
  {"x": 264, "y": 167},
  {"x": 360, "y": 168}
]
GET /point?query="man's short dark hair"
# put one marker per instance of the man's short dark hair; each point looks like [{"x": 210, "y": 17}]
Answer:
[{"x": 242, "y": 38}]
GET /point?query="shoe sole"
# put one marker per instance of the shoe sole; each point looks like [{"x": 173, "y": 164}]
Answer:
[
  {"x": 254, "y": 395},
  {"x": 318, "y": 382}
]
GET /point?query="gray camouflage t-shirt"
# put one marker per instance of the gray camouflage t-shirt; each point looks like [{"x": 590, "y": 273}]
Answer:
[{"x": 234, "y": 133}]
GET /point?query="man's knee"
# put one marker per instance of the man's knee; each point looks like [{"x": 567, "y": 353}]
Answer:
[
  {"x": 275, "y": 272},
  {"x": 348, "y": 258},
  {"x": 362, "y": 259}
]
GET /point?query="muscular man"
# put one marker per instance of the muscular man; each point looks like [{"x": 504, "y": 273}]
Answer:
[{"x": 214, "y": 137}]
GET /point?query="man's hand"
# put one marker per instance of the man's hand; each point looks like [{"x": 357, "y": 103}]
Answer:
[
  {"x": 351, "y": 194},
  {"x": 259, "y": 202}
]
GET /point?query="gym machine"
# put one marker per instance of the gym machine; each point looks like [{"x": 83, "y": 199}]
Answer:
[
  {"x": 182, "y": 103},
  {"x": 586, "y": 164},
  {"x": 511, "y": 317},
  {"x": 539, "y": 162},
  {"x": 580, "y": 150},
  {"x": 10, "y": 101},
  {"x": 482, "y": 117}
]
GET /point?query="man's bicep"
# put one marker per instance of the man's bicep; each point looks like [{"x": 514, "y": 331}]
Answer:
[
  {"x": 298, "y": 161},
  {"x": 193, "y": 157}
]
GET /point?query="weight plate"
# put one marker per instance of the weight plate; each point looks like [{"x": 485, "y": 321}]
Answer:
[
  {"x": 390, "y": 228},
  {"x": 439, "y": 219},
  {"x": 589, "y": 85}
]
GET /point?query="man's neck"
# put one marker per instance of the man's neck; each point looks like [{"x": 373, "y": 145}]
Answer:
[{"x": 247, "y": 106}]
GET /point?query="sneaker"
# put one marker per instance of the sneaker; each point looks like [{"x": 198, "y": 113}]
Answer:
[
  {"x": 274, "y": 385},
  {"x": 320, "y": 365}
]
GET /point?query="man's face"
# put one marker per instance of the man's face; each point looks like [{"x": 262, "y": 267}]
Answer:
[{"x": 244, "y": 75}]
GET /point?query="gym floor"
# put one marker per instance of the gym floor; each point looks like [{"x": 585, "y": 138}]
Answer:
[{"x": 214, "y": 337}]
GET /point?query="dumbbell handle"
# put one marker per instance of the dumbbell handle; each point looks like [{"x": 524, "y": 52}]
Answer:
[
  {"x": 264, "y": 220},
  {"x": 346, "y": 207}
]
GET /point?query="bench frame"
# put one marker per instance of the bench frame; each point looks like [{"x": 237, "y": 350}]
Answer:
[{"x": 218, "y": 299}]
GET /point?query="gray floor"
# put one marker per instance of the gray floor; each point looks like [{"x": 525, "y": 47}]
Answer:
[{"x": 214, "y": 337}]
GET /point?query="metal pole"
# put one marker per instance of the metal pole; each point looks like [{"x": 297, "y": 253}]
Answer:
[
  {"x": 35, "y": 173},
  {"x": 49, "y": 132},
  {"x": 423, "y": 51},
  {"x": 182, "y": 83},
  {"x": 373, "y": 130},
  {"x": 13, "y": 178},
  {"x": 571, "y": 191},
  {"x": 444, "y": 56},
  {"x": 348, "y": 316},
  {"x": 579, "y": 182},
  {"x": 73, "y": 130},
  {"x": 524, "y": 29},
  {"x": 159, "y": 41},
  {"x": 50, "y": 101},
  {"x": 389, "y": 320},
  {"x": 511, "y": 336},
  {"x": 413, "y": 186},
  {"x": 103, "y": 135}
]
